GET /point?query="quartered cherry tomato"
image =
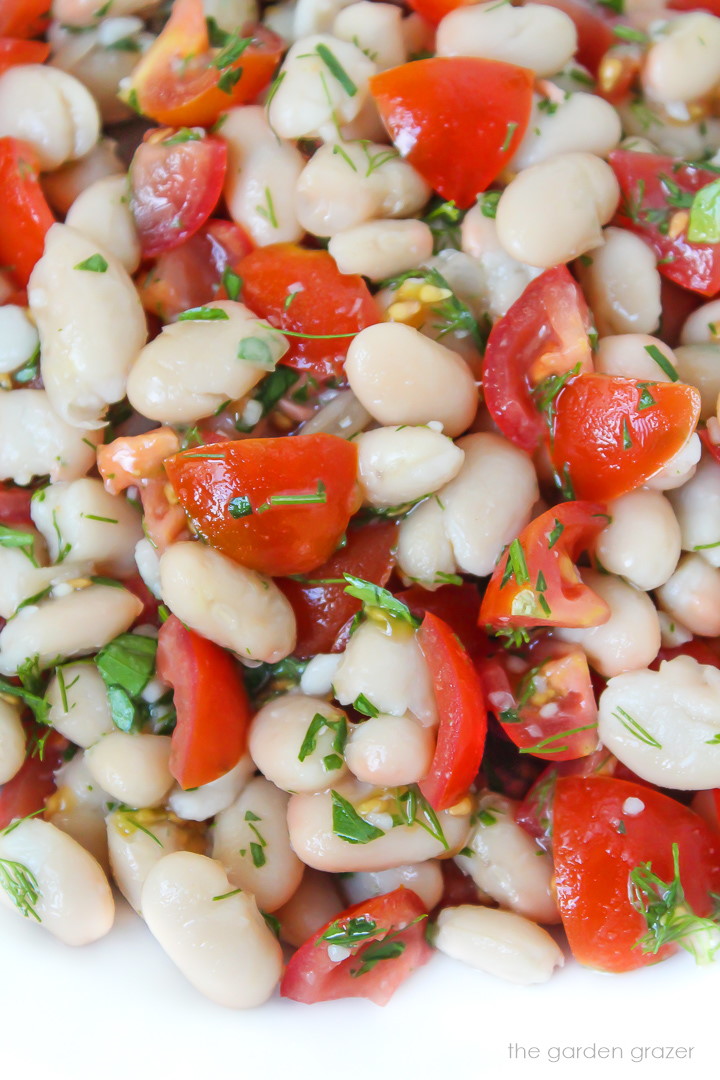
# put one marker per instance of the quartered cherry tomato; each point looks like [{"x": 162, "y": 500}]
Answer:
[
  {"x": 457, "y": 119},
  {"x": 25, "y": 216},
  {"x": 14, "y": 51}
]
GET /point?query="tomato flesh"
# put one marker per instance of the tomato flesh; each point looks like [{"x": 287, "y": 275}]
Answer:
[
  {"x": 23, "y": 18},
  {"x": 14, "y": 51},
  {"x": 594, "y": 31},
  {"x": 32, "y": 786},
  {"x": 457, "y": 606},
  {"x": 25, "y": 216}
]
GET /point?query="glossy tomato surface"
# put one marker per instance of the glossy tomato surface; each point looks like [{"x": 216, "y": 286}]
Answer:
[
  {"x": 25, "y": 216},
  {"x": 14, "y": 51}
]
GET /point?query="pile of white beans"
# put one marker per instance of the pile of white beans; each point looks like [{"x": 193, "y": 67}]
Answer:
[{"x": 412, "y": 404}]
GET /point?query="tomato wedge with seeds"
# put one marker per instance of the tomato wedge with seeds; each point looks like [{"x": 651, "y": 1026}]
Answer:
[
  {"x": 612, "y": 434},
  {"x": 461, "y": 708},
  {"x": 25, "y": 216},
  {"x": 386, "y": 938},
  {"x": 304, "y": 293},
  {"x": 279, "y": 506},
  {"x": 213, "y": 710},
  {"x": 599, "y": 840},
  {"x": 544, "y": 334},
  {"x": 457, "y": 119},
  {"x": 536, "y": 582}
]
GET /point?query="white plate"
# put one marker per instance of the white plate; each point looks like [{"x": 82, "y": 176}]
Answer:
[{"x": 119, "y": 1010}]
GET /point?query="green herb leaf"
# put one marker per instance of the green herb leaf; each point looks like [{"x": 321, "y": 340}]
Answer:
[
  {"x": 488, "y": 203},
  {"x": 240, "y": 507},
  {"x": 256, "y": 351},
  {"x": 336, "y": 69},
  {"x": 629, "y": 33},
  {"x": 662, "y": 362},
  {"x": 635, "y": 728},
  {"x": 203, "y": 314},
  {"x": 21, "y": 885},
  {"x": 122, "y": 709},
  {"x": 348, "y": 825},
  {"x": 375, "y": 596},
  {"x": 362, "y": 705},
  {"x": 128, "y": 661},
  {"x": 511, "y": 129},
  {"x": 18, "y": 538},
  {"x": 232, "y": 283},
  {"x": 226, "y": 895},
  {"x": 704, "y": 227},
  {"x": 414, "y": 809},
  {"x": 96, "y": 263},
  {"x": 184, "y": 135},
  {"x": 556, "y": 533}
]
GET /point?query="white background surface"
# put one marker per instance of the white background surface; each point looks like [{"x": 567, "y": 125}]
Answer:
[{"x": 119, "y": 1010}]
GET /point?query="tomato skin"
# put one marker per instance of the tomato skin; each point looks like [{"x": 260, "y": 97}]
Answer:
[
  {"x": 456, "y": 605},
  {"x": 25, "y": 216},
  {"x": 15, "y": 51},
  {"x": 545, "y": 332},
  {"x": 312, "y": 976},
  {"x": 23, "y": 18},
  {"x": 283, "y": 539},
  {"x": 694, "y": 266},
  {"x": 593, "y": 861},
  {"x": 213, "y": 710},
  {"x": 461, "y": 708},
  {"x": 535, "y": 812},
  {"x": 607, "y": 444},
  {"x": 322, "y": 610},
  {"x": 328, "y": 303},
  {"x": 550, "y": 544},
  {"x": 436, "y": 10},
  {"x": 452, "y": 119},
  {"x": 32, "y": 786},
  {"x": 15, "y": 506}
]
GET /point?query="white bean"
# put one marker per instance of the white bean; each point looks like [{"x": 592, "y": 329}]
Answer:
[
  {"x": 134, "y": 769},
  {"x": 631, "y": 636},
  {"x": 63, "y": 186},
  {"x": 684, "y": 64},
  {"x": 699, "y": 365},
  {"x": 374, "y": 28},
  {"x": 222, "y": 946},
  {"x": 204, "y": 802},
  {"x": 79, "y": 706},
  {"x": 680, "y": 468},
  {"x": 78, "y": 807},
  {"x": 147, "y": 561},
  {"x": 500, "y": 279},
  {"x": 702, "y": 326},
  {"x": 18, "y": 338},
  {"x": 74, "y": 625},
  {"x": 12, "y": 742},
  {"x": 316, "y": 679},
  {"x": 251, "y": 840},
  {"x": 227, "y": 603},
  {"x": 424, "y": 552},
  {"x": 425, "y": 879},
  {"x": 277, "y": 734},
  {"x": 381, "y": 249},
  {"x": 622, "y": 284},
  {"x": 21, "y": 581},
  {"x": 400, "y": 465},
  {"x": 50, "y": 110},
  {"x": 75, "y": 309},
  {"x": 99, "y": 65},
  {"x": 229, "y": 14},
  {"x": 580, "y": 122},
  {"x": 679, "y": 709},
  {"x": 315, "y": 16},
  {"x": 697, "y": 508},
  {"x": 390, "y": 750},
  {"x": 505, "y": 862},
  {"x": 102, "y": 214},
  {"x": 35, "y": 441},
  {"x": 74, "y": 902},
  {"x": 82, "y": 13},
  {"x": 137, "y": 841},
  {"x": 498, "y": 942},
  {"x": 672, "y": 632},
  {"x": 554, "y": 211},
  {"x": 642, "y": 541},
  {"x": 627, "y": 355},
  {"x": 534, "y": 36},
  {"x": 692, "y": 595},
  {"x": 315, "y": 902},
  {"x": 402, "y": 377}
]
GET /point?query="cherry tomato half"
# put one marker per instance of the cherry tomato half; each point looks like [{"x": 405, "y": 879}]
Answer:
[{"x": 25, "y": 216}]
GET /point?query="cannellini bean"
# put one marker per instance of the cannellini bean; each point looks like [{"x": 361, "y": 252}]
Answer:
[
  {"x": 684, "y": 64},
  {"x": 390, "y": 750},
  {"x": 389, "y": 669},
  {"x": 697, "y": 508},
  {"x": 18, "y": 338},
  {"x": 76, "y": 786},
  {"x": 672, "y": 632},
  {"x": 679, "y": 709},
  {"x": 251, "y": 841},
  {"x": 63, "y": 186},
  {"x": 74, "y": 902},
  {"x": 147, "y": 561},
  {"x": 73, "y": 625},
  {"x": 94, "y": 59},
  {"x": 500, "y": 943},
  {"x": 699, "y": 365},
  {"x": 554, "y": 211},
  {"x": 50, "y": 110},
  {"x": 79, "y": 706},
  {"x": 400, "y": 465},
  {"x": 12, "y": 742},
  {"x": 680, "y": 468},
  {"x": 343, "y": 415},
  {"x": 35, "y": 441},
  {"x": 402, "y": 377},
  {"x": 489, "y": 501},
  {"x": 229, "y": 14},
  {"x": 134, "y": 769},
  {"x": 313, "y": 839},
  {"x": 630, "y": 638},
  {"x": 222, "y": 946},
  {"x": 580, "y": 122},
  {"x": 227, "y": 603},
  {"x": 381, "y": 249},
  {"x": 622, "y": 284},
  {"x": 277, "y": 735},
  {"x": 376, "y": 29},
  {"x": 702, "y": 326},
  {"x": 102, "y": 214},
  {"x": 424, "y": 552},
  {"x": 506, "y": 862},
  {"x": 687, "y": 140},
  {"x": 627, "y": 355},
  {"x": 501, "y": 279},
  {"x": 137, "y": 840},
  {"x": 195, "y": 365},
  {"x": 78, "y": 807},
  {"x": 316, "y": 679},
  {"x": 21, "y": 581},
  {"x": 310, "y": 100},
  {"x": 75, "y": 309},
  {"x": 692, "y": 595},
  {"x": 315, "y": 16},
  {"x": 425, "y": 879},
  {"x": 88, "y": 524},
  {"x": 315, "y": 902},
  {"x": 82, "y": 13},
  {"x": 534, "y": 36},
  {"x": 204, "y": 802},
  {"x": 642, "y": 541}
]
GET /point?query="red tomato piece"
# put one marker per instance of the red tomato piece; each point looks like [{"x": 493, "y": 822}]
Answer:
[
  {"x": 594, "y": 32},
  {"x": 321, "y": 605},
  {"x": 175, "y": 186},
  {"x": 457, "y": 606},
  {"x": 612, "y": 434},
  {"x": 594, "y": 857},
  {"x": 544, "y": 333},
  {"x": 182, "y": 81},
  {"x": 165, "y": 523},
  {"x": 536, "y": 582},
  {"x": 461, "y": 708},
  {"x": 14, "y": 51},
  {"x": 15, "y": 506},
  {"x": 711, "y": 447},
  {"x": 457, "y": 119},
  {"x": 304, "y": 293},
  {"x": 396, "y": 917},
  {"x": 23, "y": 18},
  {"x": 713, "y": 6},
  {"x": 25, "y": 216},
  {"x": 704, "y": 650},
  {"x": 435, "y": 10},
  {"x": 656, "y": 194},
  {"x": 535, "y": 812},
  {"x": 292, "y": 499},
  {"x": 33, "y": 785},
  {"x": 129, "y": 459},
  {"x": 213, "y": 710}
]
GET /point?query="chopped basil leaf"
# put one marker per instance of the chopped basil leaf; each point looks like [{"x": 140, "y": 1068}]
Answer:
[
  {"x": 96, "y": 263},
  {"x": 318, "y": 722},
  {"x": 348, "y": 825},
  {"x": 128, "y": 661}
]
